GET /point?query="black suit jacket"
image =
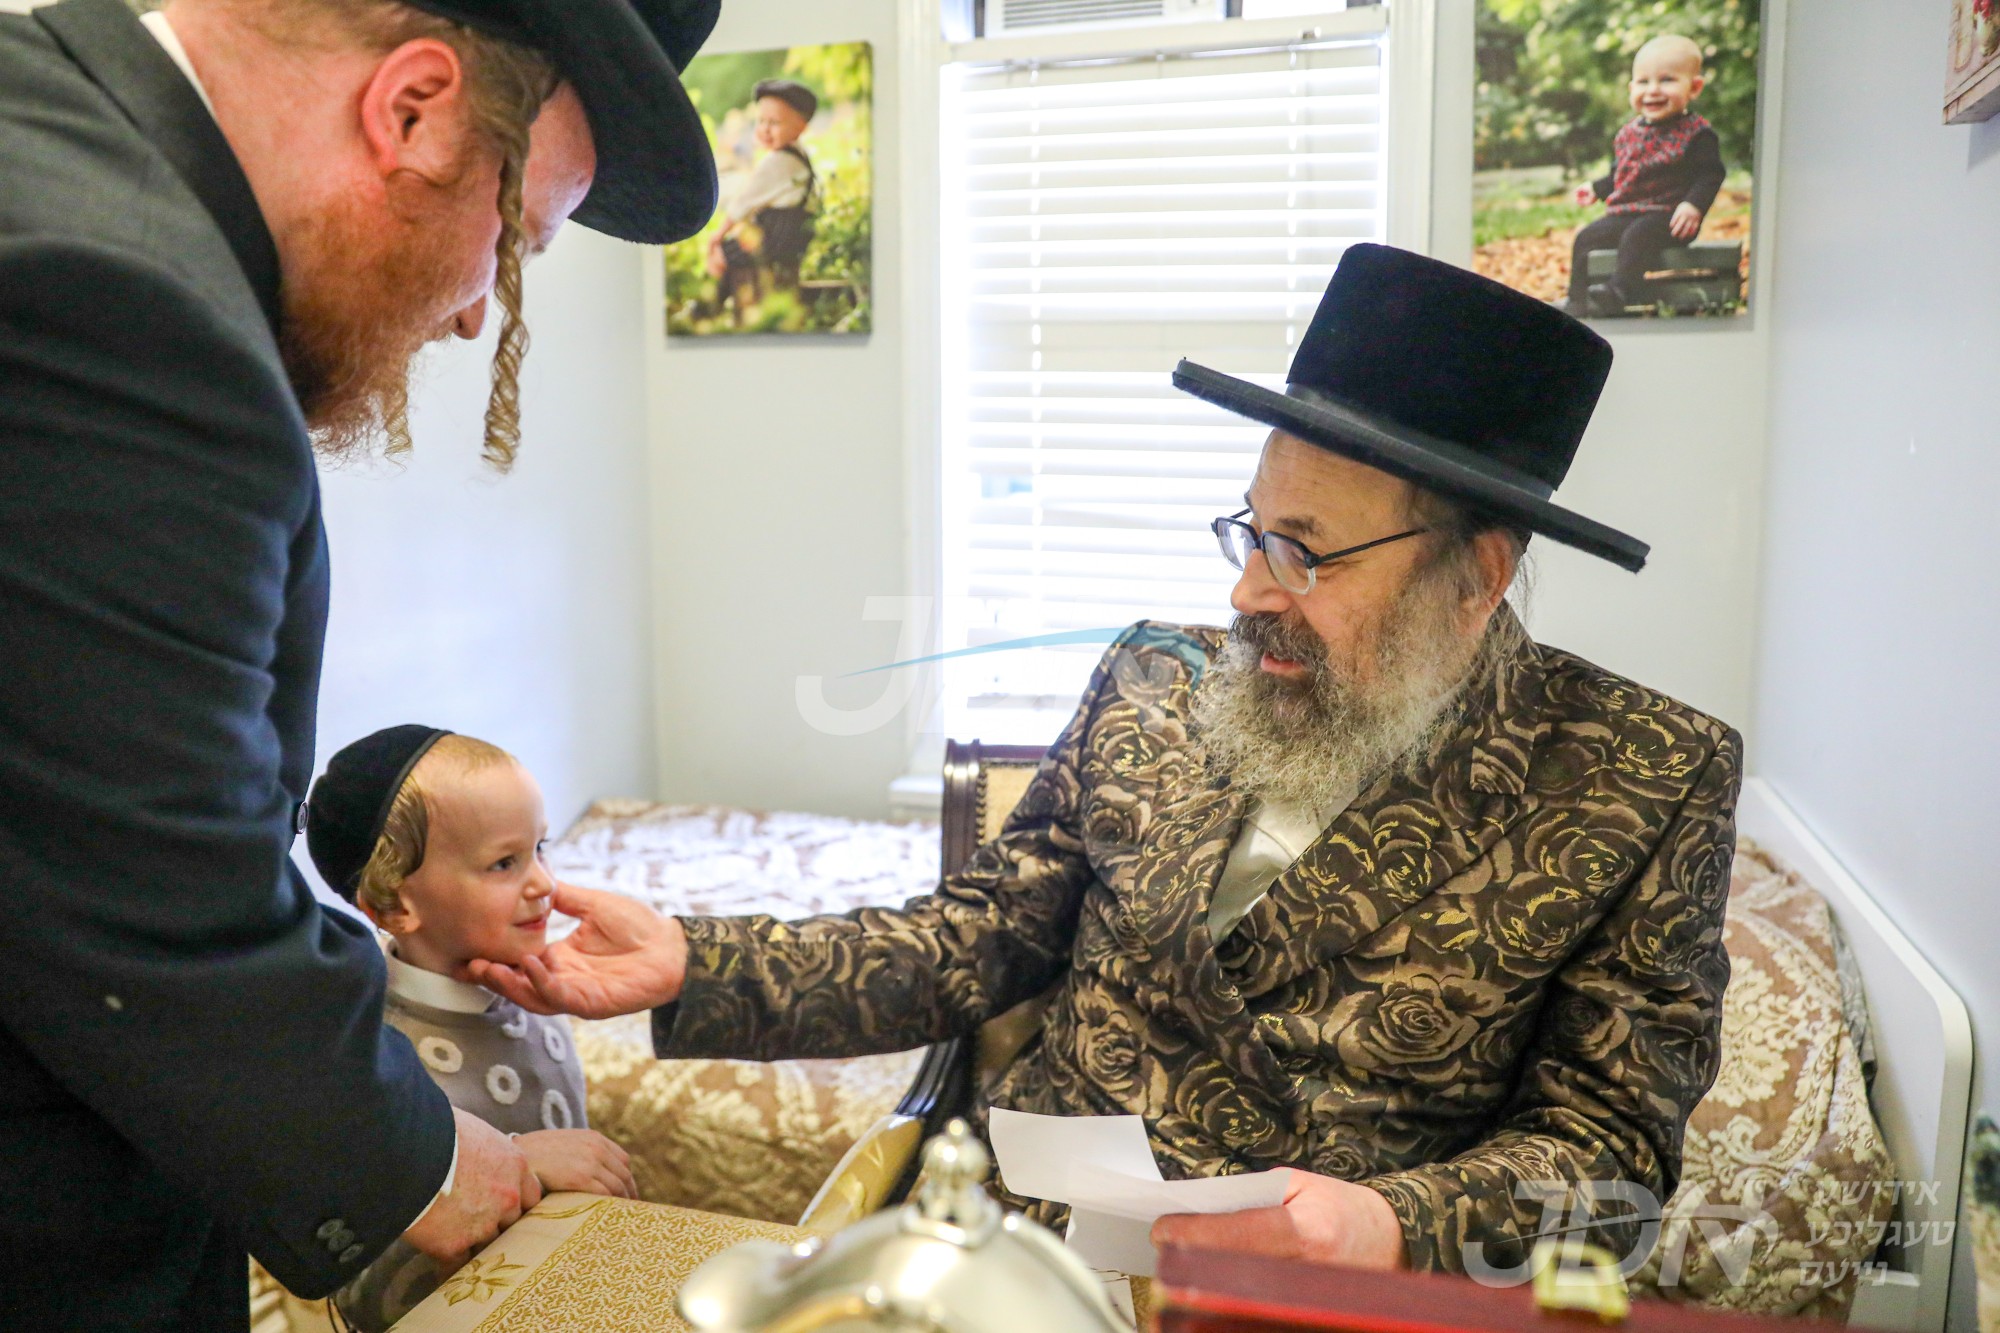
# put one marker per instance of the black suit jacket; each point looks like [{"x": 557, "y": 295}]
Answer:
[{"x": 192, "y": 1057}]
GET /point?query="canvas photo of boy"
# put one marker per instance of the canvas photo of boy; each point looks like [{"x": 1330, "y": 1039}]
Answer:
[
  {"x": 790, "y": 247},
  {"x": 1613, "y": 154},
  {"x": 769, "y": 220}
]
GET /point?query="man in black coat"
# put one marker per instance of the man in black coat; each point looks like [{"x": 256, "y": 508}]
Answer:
[{"x": 224, "y": 230}]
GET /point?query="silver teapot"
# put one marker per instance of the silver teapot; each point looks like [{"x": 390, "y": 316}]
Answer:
[{"x": 952, "y": 1261}]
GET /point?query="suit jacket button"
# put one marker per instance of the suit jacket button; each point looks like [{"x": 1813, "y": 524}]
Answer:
[
  {"x": 340, "y": 1240},
  {"x": 350, "y": 1254},
  {"x": 328, "y": 1228}
]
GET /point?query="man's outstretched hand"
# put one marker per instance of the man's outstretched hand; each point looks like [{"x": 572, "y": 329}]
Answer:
[
  {"x": 1323, "y": 1220},
  {"x": 623, "y": 957}
]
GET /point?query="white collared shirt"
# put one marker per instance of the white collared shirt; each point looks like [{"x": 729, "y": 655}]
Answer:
[
  {"x": 434, "y": 989},
  {"x": 163, "y": 33}
]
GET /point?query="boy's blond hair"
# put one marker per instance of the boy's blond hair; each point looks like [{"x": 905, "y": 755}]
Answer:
[{"x": 406, "y": 833}]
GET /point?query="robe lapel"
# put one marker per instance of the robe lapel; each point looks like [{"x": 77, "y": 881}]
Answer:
[
  {"x": 1167, "y": 892},
  {"x": 1171, "y": 881},
  {"x": 105, "y": 39},
  {"x": 1403, "y": 839}
]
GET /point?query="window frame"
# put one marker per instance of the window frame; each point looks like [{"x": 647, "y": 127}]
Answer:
[{"x": 1427, "y": 68}]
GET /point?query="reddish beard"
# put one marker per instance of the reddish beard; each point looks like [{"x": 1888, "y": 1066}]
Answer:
[{"x": 361, "y": 301}]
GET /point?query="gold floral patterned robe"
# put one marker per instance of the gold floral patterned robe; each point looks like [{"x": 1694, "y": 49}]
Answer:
[{"x": 1503, "y": 964}]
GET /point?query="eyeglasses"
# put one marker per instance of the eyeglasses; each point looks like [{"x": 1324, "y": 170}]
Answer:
[{"x": 1292, "y": 565}]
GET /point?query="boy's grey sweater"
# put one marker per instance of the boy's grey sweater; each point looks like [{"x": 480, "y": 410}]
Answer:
[{"x": 517, "y": 1071}]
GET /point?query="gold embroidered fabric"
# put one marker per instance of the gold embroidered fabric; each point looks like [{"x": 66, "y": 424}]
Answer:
[
  {"x": 1502, "y": 963},
  {"x": 732, "y": 1136},
  {"x": 1786, "y": 1186},
  {"x": 583, "y": 1264}
]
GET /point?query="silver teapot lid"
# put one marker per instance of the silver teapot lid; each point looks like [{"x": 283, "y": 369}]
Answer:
[{"x": 952, "y": 1261}]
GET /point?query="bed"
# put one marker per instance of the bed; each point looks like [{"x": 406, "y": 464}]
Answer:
[{"x": 1922, "y": 1089}]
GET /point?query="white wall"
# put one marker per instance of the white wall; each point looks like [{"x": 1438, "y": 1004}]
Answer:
[
  {"x": 1674, "y": 456},
  {"x": 1880, "y": 634},
  {"x": 516, "y": 608},
  {"x": 778, "y": 504}
]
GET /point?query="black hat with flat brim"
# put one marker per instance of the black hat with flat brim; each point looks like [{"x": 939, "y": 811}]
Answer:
[
  {"x": 655, "y": 178},
  {"x": 1447, "y": 379}
]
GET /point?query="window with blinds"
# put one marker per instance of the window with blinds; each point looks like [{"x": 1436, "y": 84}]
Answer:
[{"x": 1101, "y": 221}]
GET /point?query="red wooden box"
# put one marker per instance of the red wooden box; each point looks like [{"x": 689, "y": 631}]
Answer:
[{"x": 1204, "y": 1292}]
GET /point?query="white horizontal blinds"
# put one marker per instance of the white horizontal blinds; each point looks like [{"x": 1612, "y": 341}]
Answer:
[
  {"x": 1023, "y": 14},
  {"x": 1103, "y": 221}
]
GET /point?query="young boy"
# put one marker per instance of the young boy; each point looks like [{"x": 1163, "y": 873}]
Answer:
[
  {"x": 1666, "y": 167},
  {"x": 438, "y": 839},
  {"x": 769, "y": 221}
]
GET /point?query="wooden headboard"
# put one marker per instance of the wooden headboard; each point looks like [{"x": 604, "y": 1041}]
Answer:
[{"x": 1923, "y": 1081}]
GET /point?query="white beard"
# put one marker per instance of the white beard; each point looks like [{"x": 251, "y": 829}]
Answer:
[{"x": 1316, "y": 743}]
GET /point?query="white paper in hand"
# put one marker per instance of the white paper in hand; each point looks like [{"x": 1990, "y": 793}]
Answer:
[{"x": 1103, "y": 1168}]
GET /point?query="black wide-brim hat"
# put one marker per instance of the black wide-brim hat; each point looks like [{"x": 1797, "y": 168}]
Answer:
[
  {"x": 1434, "y": 374},
  {"x": 655, "y": 179}
]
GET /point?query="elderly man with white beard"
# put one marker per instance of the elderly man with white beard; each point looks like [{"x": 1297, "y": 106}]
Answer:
[{"x": 1373, "y": 887}]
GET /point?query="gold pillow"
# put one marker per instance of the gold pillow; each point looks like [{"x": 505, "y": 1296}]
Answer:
[{"x": 732, "y": 1136}]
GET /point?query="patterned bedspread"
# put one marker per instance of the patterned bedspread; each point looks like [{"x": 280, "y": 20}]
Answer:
[{"x": 713, "y": 860}]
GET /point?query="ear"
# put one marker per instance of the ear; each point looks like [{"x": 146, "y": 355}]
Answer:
[
  {"x": 413, "y": 111},
  {"x": 1696, "y": 84},
  {"x": 400, "y": 920},
  {"x": 1493, "y": 552}
]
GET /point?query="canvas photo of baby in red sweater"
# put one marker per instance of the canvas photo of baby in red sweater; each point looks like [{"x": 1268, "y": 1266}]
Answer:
[{"x": 1614, "y": 151}]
